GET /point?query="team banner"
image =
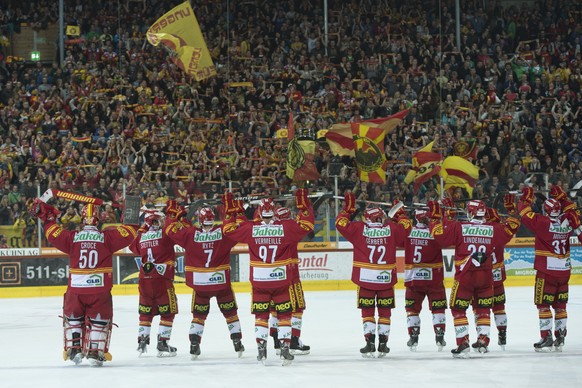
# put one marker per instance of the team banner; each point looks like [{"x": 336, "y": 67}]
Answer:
[
  {"x": 300, "y": 160},
  {"x": 459, "y": 172},
  {"x": 369, "y": 152},
  {"x": 339, "y": 136},
  {"x": 179, "y": 31},
  {"x": 466, "y": 149},
  {"x": 425, "y": 164}
]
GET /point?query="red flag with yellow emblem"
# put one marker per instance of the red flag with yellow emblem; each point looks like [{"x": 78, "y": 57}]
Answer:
[{"x": 369, "y": 152}]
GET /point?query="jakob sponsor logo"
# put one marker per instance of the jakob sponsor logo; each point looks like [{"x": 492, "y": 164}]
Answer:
[
  {"x": 377, "y": 232},
  {"x": 268, "y": 231},
  {"x": 477, "y": 230}
]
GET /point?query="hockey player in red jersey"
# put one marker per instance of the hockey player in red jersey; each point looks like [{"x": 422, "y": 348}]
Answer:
[
  {"x": 374, "y": 267},
  {"x": 157, "y": 295},
  {"x": 297, "y": 347},
  {"x": 88, "y": 305},
  {"x": 424, "y": 277},
  {"x": 551, "y": 261},
  {"x": 499, "y": 276},
  {"x": 474, "y": 241},
  {"x": 271, "y": 243},
  {"x": 207, "y": 253}
]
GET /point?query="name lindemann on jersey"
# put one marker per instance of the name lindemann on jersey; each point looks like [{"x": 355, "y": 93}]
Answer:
[
  {"x": 89, "y": 236},
  {"x": 201, "y": 236},
  {"x": 377, "y": 232},
  {"x": 151, "y": 235},
  {"x": 268, "y": 230},
  {"x": 420, "y": 233},
  {"x": 478, "y": 230}
]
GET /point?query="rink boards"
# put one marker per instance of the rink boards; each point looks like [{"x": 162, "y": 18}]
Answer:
[{"x": 27, "y": 272}]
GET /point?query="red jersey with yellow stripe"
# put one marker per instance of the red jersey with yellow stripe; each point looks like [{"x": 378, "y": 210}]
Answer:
[
  {"x": 552, "y": 243},
  {"x": 90, "y": 252},
  {"x": 207, "y": 255},
  {"x": 423, "y": 259},
  {"x": 155, "y": 247},
  {"x": 470, "y": 237},
  {"x": 272, "y": 247},
  {"x": 374, "y": 265}
]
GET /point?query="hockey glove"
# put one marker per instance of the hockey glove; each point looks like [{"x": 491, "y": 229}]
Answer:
[
  {"x": 349, "y": 202},
  {"x": 509, "y": 203},
  {"x": 557, "y": 193},
  {"x": 434, "y": 210},
  {"x": 527, "y": 195},
  {"x": 301, "y": 199}
]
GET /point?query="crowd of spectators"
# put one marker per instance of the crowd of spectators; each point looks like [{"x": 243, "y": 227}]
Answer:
[{"x": 119, "y": 113}]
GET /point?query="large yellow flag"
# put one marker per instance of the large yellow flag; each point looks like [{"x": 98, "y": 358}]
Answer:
[{"x": 179, "y": 31}]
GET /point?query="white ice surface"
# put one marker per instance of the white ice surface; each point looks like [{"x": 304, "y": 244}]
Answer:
[{"x": 31, "y": 339}]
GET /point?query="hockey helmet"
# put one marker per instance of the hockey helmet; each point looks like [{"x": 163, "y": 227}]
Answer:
[
  {"x": 90, "y": 214},
  {"x": 374, "y": 216},
  {"x": 476, "y": 209},
  {"x": 206, "y": 216},
  {"x": 552, "y": 208}
]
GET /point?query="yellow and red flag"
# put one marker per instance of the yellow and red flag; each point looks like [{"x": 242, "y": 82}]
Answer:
[
  {"x": 425, "y": 164},
  {"x": 179, "y": 31},
  {"x": 369, "y": 152},
  {"x": 459, "y": 172},
  {"x": 300, "y": 156},
  {"x": 339, "y": 136}
]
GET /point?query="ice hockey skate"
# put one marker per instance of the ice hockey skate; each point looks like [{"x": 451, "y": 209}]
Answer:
[
  {"x": 383, "y": 348},
  {"x": 482, "y": 344},
  {"x": 462, "y": 351},
  {"x": 440, "y": 339},
  {"x": 370, "y": 348},
  {"x": 194, "y": 346},
  {"x": 238, "y": 346},
  {"x": 413, "y": 341},
  {"x": 95, "y": 359},
  {"x": 502, "y": 339},
  {"x": 75, "y": 355},
  {"x": 262, "y": 349},
  {"x": 164, "y": 349},
  {"x": 297, "y": 347},
  {"x": 544, "y": 345},
  {"x": 286, "y": 355},
  {"x": 560, "y": 339},
  {"x": 142, "y": 344}
]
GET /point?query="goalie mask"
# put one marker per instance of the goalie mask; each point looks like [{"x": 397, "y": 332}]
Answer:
[
  {"x": 90, "y": 214},
  {"x": 374, "y": 216},
  {"x": 476, "y": 209},
  {"x": 552, "y": 208}
]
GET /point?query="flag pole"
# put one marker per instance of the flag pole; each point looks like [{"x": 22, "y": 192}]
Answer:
[{"x": 336, "y": 196}]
